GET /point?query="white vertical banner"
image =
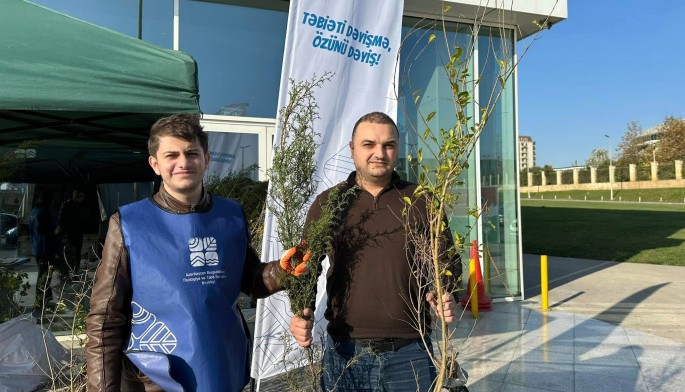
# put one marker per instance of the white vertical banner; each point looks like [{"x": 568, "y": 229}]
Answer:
[
  {"x": 357, "y": 42},
  {"x": 231, "y": 153}
]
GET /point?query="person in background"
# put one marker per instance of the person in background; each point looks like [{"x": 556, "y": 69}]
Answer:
[
  {"x": 70, "y": 227},
  {"x": 164, "y": 310},
  {"x": 43, "y": 247},
  {"x": 373, "y": 342}
]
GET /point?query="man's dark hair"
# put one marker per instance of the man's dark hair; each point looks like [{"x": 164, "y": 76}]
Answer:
[
  {"x": 183, "y": 126},
  {"x": 375, "y": 118}
]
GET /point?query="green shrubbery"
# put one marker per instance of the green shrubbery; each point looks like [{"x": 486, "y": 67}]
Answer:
[
  {"x": 251, "y": 195},
  {"x": 11, "y": 284}
]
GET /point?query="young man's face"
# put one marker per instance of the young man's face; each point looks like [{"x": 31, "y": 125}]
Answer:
[
  {"x": 374, "y": 151},
  {"x": 181, "y": 164}
]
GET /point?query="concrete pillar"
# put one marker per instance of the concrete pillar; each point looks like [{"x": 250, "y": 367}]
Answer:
[
  {"x": 530, "y": 179},
  {"x": 678, "y": 170},
  {"x": 558, "y": 177},
  {"x": 593, "y": 175},
  {"x": 632, "y": 168},
  {"x": 612, "y": 173},
  {"x": 544, "y": 178},
  {"x": 576, "y": 172},
  {"x": 655, "y": 170}
]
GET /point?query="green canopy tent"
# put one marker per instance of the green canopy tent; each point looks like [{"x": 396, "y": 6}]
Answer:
[{"x": 77, "y": 100}]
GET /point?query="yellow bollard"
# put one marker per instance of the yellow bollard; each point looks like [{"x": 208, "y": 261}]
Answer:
[
  {"x": 543, "y": 283},
  {"x": 473, "y": 283}
]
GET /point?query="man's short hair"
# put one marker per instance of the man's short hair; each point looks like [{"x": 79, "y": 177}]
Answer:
[
  {"x": 375, "y": 118},
  {"x": 183, "y": 126}
]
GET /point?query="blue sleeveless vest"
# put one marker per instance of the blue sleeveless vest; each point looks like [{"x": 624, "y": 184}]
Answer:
[{"x": 187, "y": 333}]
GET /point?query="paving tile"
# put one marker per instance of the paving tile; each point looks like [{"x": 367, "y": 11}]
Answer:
[
  {"x": 522, "y": 388},
  {"x": 542, "y": 357},
  {"x": 610, "y": 370},
  {"x": 604, "y": 355},
  {"x": 493, "y": 355},
  {"x": 554, "y": 377},
  {"x": 593, "y": 382},
  {"x": 550, "y": 316},
  {"x": 489, "y": 347},
  {"x": 660, "y": 355},
  {"x": 534, "y": 342},
  {"x": 603, "y": 335},
  {"x": 643, "y": 338},
  {"x": 499, "y": 325},
  {"x": 484, "y": 386},
  {"x": 485, "y": 370},
  {"x": 660, "y": 377}
]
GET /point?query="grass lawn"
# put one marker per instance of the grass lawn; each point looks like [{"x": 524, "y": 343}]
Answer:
[{"x": 640, "y": 233}]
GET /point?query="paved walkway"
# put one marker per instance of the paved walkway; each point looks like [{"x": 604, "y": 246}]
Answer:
[
  {"x": 517, "y": 347},
  {"x": 646, "y": 297},
  {"x": 611, "y": 327}
]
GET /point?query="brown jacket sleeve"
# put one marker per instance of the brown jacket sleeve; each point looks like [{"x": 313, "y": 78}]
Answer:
[
  {"x": 259, "y": 279},
  {"x": 109, "y": 321}
]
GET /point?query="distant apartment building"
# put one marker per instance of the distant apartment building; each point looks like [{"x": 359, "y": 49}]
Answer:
[
  {"x": 650, "y": 136},
  {"x": 526, "y": 152}
]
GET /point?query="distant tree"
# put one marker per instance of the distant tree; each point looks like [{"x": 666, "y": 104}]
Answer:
[
  {"x": 631, "y": 148},
  {"x": 549, "y": 174},
  {"x": 671, "y": 144},
  {"x": 599, "y": 157}
]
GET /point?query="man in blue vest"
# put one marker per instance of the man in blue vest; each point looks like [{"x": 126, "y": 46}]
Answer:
[{"x": 163, "y": 312}]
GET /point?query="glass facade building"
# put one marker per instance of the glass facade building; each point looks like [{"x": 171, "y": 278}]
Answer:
[{"x": 238, "y": 46}]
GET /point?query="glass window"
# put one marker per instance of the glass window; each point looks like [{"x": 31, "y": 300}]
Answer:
[
  {"x": 122, "y": 16},
  {"x": 239, "y": 52},
  {"x": 422, "y": 75},
  {"x": 498, "y": 162}
]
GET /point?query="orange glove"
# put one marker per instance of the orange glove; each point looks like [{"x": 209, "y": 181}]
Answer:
[{"x": 296, "y": 254}]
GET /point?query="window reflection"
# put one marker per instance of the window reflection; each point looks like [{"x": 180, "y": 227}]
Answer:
[
  {"x": 422, "y": 74},
  {"x": 498, "y": 162},
  {"x": 239, "y": 52},
  {"x": 122, "y": 16}
]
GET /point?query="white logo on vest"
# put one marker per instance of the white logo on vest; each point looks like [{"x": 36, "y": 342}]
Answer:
[
  {"x": 203, "y": 251},
  {"x": 155, "y": 335}
]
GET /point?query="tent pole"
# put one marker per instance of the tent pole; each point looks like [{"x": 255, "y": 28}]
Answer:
[
  {"x": 140, "y": 19},
  {"x": 176, "y": 23}
]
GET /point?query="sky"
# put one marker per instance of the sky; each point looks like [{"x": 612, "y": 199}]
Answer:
[{"x": 609, "y": 63}]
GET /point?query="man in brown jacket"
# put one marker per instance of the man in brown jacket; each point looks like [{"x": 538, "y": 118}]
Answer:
[
  {"x": 375, "y": 333},
  {"x": 163, "y": 310}
]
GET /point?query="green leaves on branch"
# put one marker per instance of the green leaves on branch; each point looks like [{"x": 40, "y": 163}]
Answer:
[
  {"x": 293, "y": 185},
  {"x": 292, "y": 182},
  {"x": 11, "y": 284}
]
